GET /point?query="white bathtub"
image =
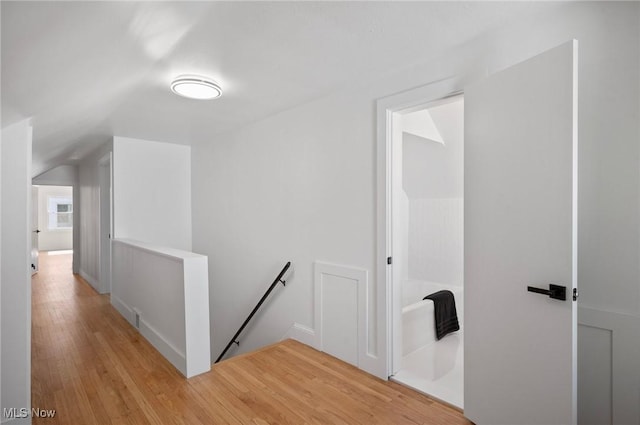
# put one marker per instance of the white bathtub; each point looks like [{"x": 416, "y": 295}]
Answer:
[{"x": 418, "y": 323}]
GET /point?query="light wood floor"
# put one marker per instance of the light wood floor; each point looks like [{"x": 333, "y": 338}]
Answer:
[{"x": 92, "y": 367}]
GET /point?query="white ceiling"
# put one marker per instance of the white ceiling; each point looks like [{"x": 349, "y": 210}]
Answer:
[{"x": 85, "y": 71}]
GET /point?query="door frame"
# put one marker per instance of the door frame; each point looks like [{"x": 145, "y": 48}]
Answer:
[
  {"x": 105, "y": 223},
  {"x": 406, "y": 101},
  {"x": 35, "y": 229}
]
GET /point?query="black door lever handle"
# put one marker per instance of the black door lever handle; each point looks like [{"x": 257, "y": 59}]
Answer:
[{"x": 556, "y": 292}]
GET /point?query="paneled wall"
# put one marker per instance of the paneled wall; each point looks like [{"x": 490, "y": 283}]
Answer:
[
  {"x": 343, "y": 306},
  {"x": 88, "y": 207},
  {"x": 436, "y": 233},
  {"x": 608, "y": 367}
]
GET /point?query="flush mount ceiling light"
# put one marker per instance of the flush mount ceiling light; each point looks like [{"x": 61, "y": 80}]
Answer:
[{"x": 196, "y": 87}]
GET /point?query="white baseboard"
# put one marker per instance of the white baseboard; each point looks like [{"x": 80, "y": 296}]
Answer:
[
  {"x": 123, "y": 309},
  {"x": 165, "y": 348},
  {"x": 302, "y": 334},
  {"x": 95, "y": 283},
  {"x": 159, "y": 342}
]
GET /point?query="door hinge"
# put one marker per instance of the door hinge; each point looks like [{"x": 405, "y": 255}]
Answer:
[
  {"x": 389, "y": 260},
  {"x": 575, "y": 294}
]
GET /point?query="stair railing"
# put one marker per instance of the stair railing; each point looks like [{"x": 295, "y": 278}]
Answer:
[{"x": 234, "y": 340}]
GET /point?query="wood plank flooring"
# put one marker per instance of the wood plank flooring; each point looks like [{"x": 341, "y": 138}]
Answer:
[{"x": 92, "y": 367}]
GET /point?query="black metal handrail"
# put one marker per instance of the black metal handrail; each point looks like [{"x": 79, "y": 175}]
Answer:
[{"x": 234, "y": 340}]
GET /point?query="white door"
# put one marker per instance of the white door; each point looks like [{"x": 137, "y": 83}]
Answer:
[
  {"x": 520, "y": 231},
  {"x": 34, "y": 230}
]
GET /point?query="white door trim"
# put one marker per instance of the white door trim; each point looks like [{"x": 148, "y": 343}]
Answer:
[
  {"x": 105, "y": 181},
  {"x": 406, "y": 101},
  {"x": 364, "y": 358},
  {"x": 35, "y": 230}
]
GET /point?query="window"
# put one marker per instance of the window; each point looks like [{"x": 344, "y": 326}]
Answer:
[{"x": 60, "y": 213}]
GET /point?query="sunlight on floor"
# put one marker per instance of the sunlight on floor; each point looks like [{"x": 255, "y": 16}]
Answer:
[{"x": 62, "y": 252}]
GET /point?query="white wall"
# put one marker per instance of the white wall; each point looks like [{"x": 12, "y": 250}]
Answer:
[
  {"x": 1, "y": 404},
  {"x": 296, "y": 187},
  {"x": 432, "y": 170},
  {"x": 168, "y": 291},
  {"x": 1, "y": 180},
  {"x": 56, "y": 239},
  {"x": 88, "y": 206},
  {"x": 66, "y": 175},
  {"x": 151, "y": 188},
  {"x": 16, "y": 274},
  {"x": 433, "y": 179},
  {"x": 300, "y": 185},
  {"x": 152, "y": 192}
]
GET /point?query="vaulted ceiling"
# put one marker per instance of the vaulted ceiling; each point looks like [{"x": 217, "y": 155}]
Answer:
[{"x": 85, "y": 71}]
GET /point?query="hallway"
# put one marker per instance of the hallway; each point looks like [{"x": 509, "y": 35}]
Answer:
[
  {"x": 92, "y": 367},
  {"x": 88, "y": 363}
]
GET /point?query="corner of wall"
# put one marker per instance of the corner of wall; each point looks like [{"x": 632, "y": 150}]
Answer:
[
  {"x": 94, "y": 282},
  {"x": 303, "y": 334},
  {"x": 16, "y": 278}
]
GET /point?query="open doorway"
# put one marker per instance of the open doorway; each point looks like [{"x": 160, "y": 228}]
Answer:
[
  {"x": 52, "y": 222},
  {"x": 427, "y": 183},
  {"x": 520, "y": 234}
]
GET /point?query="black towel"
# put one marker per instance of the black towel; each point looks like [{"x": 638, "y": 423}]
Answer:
[{"x": 445, "y": 312}]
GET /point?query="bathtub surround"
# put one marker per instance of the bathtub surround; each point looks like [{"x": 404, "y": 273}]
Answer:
[
  {"x": 430, "y": 366},
  {"x": 435, "y": 246},
  {"x": 436, "y": 370},
  {"x": 418, "y": 317}
]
